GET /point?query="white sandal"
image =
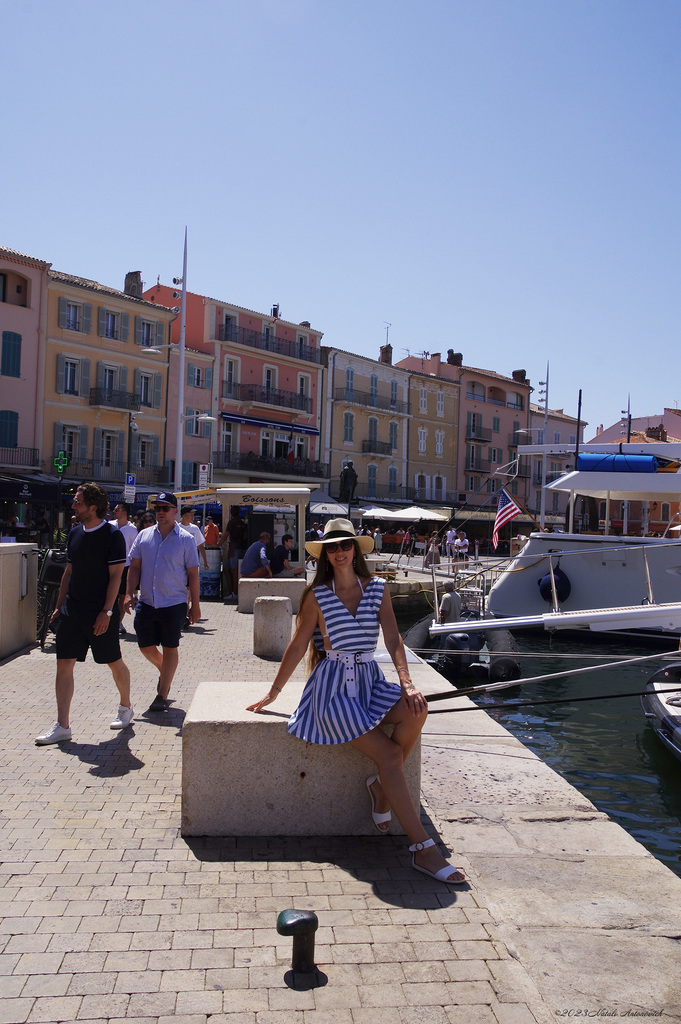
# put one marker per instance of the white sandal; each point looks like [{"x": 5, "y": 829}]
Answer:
[
  {"x": 378, "y": 819},
  {"x": 443, "y": 874}
]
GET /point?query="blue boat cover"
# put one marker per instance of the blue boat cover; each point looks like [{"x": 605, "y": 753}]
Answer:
[{"x": 591, "y": 462}]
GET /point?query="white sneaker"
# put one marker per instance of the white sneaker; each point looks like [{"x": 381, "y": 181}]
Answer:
[
  {"x": 54, "y": 735},
  {"x": 124, "y": 717}
]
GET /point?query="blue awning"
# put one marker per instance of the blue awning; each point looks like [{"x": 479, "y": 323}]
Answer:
[{"x": 253, "y": 421}]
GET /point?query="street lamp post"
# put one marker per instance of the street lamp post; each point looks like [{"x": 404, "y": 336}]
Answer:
[{"x": 179, "y": 436}]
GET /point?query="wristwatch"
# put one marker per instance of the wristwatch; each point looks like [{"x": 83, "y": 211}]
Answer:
[{"x": 108, "y": 612}]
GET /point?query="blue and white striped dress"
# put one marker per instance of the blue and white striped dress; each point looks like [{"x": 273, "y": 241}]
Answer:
[{"x": 340, "y": 703}]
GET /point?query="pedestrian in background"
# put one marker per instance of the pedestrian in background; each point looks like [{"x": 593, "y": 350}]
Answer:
[
  {"x": 121, "y": 519},
  {"x": 164, "y": 562},
  {"x": 211, "y": 533},
  {"x": 87, "y": 608}
]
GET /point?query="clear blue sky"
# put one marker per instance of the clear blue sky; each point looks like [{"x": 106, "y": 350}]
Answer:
[{"x": 499, "y": 177}]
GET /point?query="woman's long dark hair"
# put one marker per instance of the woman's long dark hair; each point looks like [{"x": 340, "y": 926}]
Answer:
[{"x": 323, "y": 575}]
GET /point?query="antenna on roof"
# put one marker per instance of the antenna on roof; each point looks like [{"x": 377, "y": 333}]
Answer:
[{"x": 387, "y": 331}]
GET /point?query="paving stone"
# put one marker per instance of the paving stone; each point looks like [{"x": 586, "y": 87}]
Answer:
[
  {"x": 55, "y": 1008},
  {"x": 15, "y": 1011}
]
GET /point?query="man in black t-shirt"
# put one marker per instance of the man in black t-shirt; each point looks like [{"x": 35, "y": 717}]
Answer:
[
  {"x": 280, "y": 564},
  {"x": 87, "y": 608}
]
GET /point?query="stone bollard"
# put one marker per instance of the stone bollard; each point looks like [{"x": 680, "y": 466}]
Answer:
[{"x": 271, "y": 626}]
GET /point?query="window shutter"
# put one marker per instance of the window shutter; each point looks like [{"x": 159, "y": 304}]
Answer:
[
  {"x": 188, "y": 426},
  {"x": 9, "y": 428},
  {"x": 212, "y": 315},
  {"x": 125, "y": 326},
  {"x": 100, "y": 375},
  {"x": 138, "y": 330},
  {"x": 191, "y": 375},
  {"x": 82, "y": 444},
  {"x": 209, "y": 377},
  {"x": 120, "y": 446},
  {"x": 58, "y": 438},
  {"x": 137, "y": 386},
  {"x": 155, "y": 449},
  {"x": 62, "y": 312},
  {"x": 207, "y": 428},
  {"x": 187, "y": 473},
  {"x": 61, "y": 374},
  {"x": 158, "y": 390},
  {"x": 84, "y": 378},
  {"x": 101, "y": 322},
  {"x": 123, "y": 378},
  {"x": 86, "y": 323},
  {"x": 160, "y": 332},
  {"x": 134, "y": 453},
  {"x": 97, "y": 448},
  {"x": 11, "y": 354}
]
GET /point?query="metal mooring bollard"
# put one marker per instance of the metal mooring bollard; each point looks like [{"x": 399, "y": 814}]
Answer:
[{"x": 301, "y": 924}]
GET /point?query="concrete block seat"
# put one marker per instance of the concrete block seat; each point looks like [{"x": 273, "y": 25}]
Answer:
[
  {"x": 270, "y": 586},
  {"x": 245, "y": 775}
]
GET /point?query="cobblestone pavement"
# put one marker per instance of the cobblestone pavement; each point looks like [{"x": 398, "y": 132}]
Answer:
[{"x": 109, "y": 914}]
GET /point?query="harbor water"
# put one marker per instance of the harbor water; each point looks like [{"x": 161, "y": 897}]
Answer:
[{"x": 605, "y": 748}]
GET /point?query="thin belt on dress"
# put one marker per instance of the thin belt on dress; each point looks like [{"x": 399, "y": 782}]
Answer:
[{"x": 349, "y": 659}]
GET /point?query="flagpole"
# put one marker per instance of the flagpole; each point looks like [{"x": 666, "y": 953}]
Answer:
[{"x": 526, "y": 511}]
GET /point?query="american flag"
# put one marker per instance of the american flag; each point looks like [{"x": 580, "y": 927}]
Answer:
[{"x": 506, "y": 511}]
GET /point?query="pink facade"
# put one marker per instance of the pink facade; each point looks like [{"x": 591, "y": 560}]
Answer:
[
  {"x": 260, "y": 377},
  {"x": 23, "y": 313}
]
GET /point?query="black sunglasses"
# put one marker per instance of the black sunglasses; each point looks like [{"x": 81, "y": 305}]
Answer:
[
  {"x": 163, "y": 508},
  {"x": 344, "y": 545}
]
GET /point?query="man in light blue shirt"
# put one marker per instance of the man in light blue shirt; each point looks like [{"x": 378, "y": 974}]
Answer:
[
  {"x": 255, "y": 562},
  {"x": 164, "y": 562}
]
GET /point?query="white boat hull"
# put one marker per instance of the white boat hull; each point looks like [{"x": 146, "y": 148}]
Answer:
[
  {"x": 662, "y": 707},
  {"x": 604, "y": 572}
]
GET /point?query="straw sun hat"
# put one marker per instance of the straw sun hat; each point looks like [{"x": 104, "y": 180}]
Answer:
[{"x": 337, "y": 530}]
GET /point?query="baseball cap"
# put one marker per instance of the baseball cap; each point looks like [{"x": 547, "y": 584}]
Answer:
[{"x": 166, "y": 498}]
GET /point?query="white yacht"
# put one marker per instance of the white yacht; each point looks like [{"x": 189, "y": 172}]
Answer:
[{"x": 574, "y": 572}]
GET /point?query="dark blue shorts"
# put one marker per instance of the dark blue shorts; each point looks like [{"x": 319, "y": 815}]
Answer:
[
  {"x": 159, "y": 626},
  {"x": 75, "y": 637}
]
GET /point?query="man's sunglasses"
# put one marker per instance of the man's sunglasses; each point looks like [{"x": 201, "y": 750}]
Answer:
[
  {"x": 345, "y": 545},
  {"x": 162, "y": 508}
]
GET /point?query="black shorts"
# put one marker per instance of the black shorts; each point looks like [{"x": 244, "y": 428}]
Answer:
[
  {"x": 159, "y": 626},
  {"x": 124, "y": 580},
  {"x": 75, "y": 637}
]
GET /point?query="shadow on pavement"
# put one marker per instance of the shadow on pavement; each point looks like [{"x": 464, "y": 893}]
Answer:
[
  {"x": 108, "y": 759},
  {"x": 384, "y": 864}
]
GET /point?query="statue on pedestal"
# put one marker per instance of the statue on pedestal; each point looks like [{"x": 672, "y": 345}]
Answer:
[{"x": 348, "y": 483}]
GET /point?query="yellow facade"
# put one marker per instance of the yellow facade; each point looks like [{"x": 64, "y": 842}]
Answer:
[
  {"x": 434, "y": 404},
  {"x": 105, "y": 396}
]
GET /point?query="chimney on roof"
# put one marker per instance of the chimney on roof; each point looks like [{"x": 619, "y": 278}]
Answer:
[
  {"x": 304, "y": 323},
  {"x": 454, "y": 358},
  {"x": 385, "y": 355},
  {"x": 657, "y": 433},
  {"x": 519, "y": 376},
  {"x": 133, "y": 284}
]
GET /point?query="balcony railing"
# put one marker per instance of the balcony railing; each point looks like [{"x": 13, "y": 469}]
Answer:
[
  {"x": 19, "y": 457},
  {"x": 364, "y": 490},
  {"x": 256, "y": 339},
  {"x": 114, "y": 399},
  {"x": 370, "y": 401},
  {"x": 251, "y": 463},
  {"x": 478, "y": 466},
  {"x": 475, "y": 397},
  {"x": 273, "y": 396},
  {"x": 475, "y": 433},
  {"x": 111, "y": 472},
  {"x": 230, "y": 389},
  {"x": 372, "y": 446}
]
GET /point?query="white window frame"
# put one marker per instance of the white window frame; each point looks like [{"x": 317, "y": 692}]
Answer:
[
  {"x": 440, "y": 403},
  {"x": 423, "y": 400},
  {"x": 228, "y": 430},
  {"x": 439, "y": 442},
  {"x": 109, "y": 315},
  {"x": 146, "y": 389},
  {"x": 268, "y": 369},
  {"x": 74, "y": 321},
  {"x": 75, "y": 363}
]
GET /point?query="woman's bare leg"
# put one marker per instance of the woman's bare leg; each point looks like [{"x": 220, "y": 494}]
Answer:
[{"x": 388, "y": 756}]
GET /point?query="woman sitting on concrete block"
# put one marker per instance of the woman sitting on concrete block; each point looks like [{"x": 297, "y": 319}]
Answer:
[{"x": 347, "y": 696}]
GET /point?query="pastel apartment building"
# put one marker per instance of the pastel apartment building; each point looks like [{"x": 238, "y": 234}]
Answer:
[
  {"x": 366, "y": 422},
  {"x": 260, "y": 377},
  {"x": 105, "y": 382},
  {"x": 23, "y": 319}
]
